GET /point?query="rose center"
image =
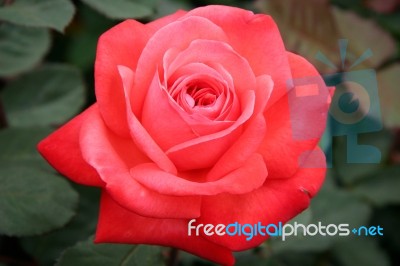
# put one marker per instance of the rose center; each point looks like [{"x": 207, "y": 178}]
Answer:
[{"x": 197, "y": 96}]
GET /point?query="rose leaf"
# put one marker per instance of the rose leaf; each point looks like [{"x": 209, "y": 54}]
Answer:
[
  {"x": 382, "y": 188},
  {"x": 120, "y": 9},
  {"x": 46, "y": 96},
  {"x": 55, "y": 14},
  {"x": 33, "y": 200},
  {"x": 88, "y": 253},
  {"x": 21, "y": 48}
]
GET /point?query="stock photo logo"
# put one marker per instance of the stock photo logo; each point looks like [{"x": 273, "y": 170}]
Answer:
[{"x": 355, "y": 107}]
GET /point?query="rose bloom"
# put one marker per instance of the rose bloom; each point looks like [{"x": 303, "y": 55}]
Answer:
[{"x": 197, "y": 116}]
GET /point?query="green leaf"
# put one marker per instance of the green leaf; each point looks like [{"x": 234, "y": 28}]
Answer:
[
  {"x": 88, "y": 253},
  {"x": 19, "y": 145},
  {"x": 33, "y": 200},
  {"x": 49, "y": 95},
  {"x": 54, "y": 14},
  {"x": 382, "y": 188},
  {"x": 120, "y": 9},
  {"x": 360, "y": 251},
  {"x": 21, "y": 48},
  {"x": 339, "y": 206},
  {"x": 328, "y": 207},
  {"x": 48, "y": 248},
  {"x": 351, "y": 173},
  {"x": 389, "y": 93}
]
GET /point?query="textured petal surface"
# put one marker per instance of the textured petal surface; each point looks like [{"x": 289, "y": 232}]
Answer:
[
  {"x": 244, "y": 179},
  {"x": 61, "y": 149},
  {"x": 278, "y": 200},
  {"x": 117, "y": 225},
  {"x": 256, "y": 38},
  {"x": 179, "y": 35},
  {"x": 296, "y": 122},
  {"x": 139, "y": 134},
  {"x": 121, "y": 45},
  {"x": 112, "y": 157}
]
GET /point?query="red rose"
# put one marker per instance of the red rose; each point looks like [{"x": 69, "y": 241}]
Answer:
[{"x": 194, "y": 119}]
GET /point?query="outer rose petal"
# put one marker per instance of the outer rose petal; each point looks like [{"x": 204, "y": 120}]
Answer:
[
  {"x": 256, "y": 38},
  {"x": 278, "y": 200},
  {"x": 118, "y": 225},
  {"x": 112, "y": 157},
  {"x": 295, "y": 124},
  {"x": 157, "y": 24},
  {"x": 61, "y": 149},
  {"x": 121, "y": 45}
]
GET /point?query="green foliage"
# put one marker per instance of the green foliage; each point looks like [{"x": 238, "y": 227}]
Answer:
[
  {"x": 360, "y": 251},
  {"x": 120, "y": 9},
  {"x": 32, "y": 199},
  {"x": 21, "y": 48},
  {"x": 55, "y": 14},
  {"x": 47, "y": 248},
  {"x": 46, "y": 96},
  {"x": 381, "y": 188},
  {"x": 87, "y": 253}
]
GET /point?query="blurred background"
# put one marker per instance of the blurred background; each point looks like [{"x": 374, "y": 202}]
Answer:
[{"x": 47, "y": 51}]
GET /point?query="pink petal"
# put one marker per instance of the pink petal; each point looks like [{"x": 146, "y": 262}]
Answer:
[
  {"x": 206, "y": 51},
  {"x": 139, "y": 134},
  {"x": 278, "y": 200},
  {"x": 205, "y": 151},
  {"x": 295, "y": 124},
  {"x": 178, "y": 34},
  {"x": 121, "y": 45},
  {"x": 61, "y": 149},
  {"x": 118, "y": 225},
  {"x": 241, "y": 150},
  {"x": 249, "y": 176},
  {"x": 112, "y": 157},
  {"x": 163, "y": 123},
  {"x": 256, "y": 38}
]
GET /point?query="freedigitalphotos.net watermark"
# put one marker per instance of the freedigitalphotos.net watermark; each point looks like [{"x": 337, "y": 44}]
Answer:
[{"x": 281, "y": 230}]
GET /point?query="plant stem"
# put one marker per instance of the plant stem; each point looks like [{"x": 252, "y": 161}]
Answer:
[
  {"x": 3, "y": 118},
  {"x": 173, "y": 257}
]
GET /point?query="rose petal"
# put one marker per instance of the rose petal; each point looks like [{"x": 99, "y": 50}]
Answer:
[
  {"x": 295, "y": 124},
  {"x": 61, "y": 149},
  {"x": 244, "y": 179},
  {"x": 112, "y": 157},
  {"x": 241, "y": 150},
  {"x": 121, "y": 45},
  {"x": 168, "y": 124},
  {"x": 118, "y": 225},
  {"x": 278, "y": 200},
  {"x": 157, "y": 24},
  {"x": 205, "y": 151},
  {"x": 178, "y": 34},
  {"x": 256, "y": 38},
  {"x": 139, "y": 134},
  {"x": 205, "y": 51}
]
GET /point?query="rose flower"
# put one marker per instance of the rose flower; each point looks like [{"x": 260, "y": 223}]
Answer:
[{"x": 198, "y": 116}]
